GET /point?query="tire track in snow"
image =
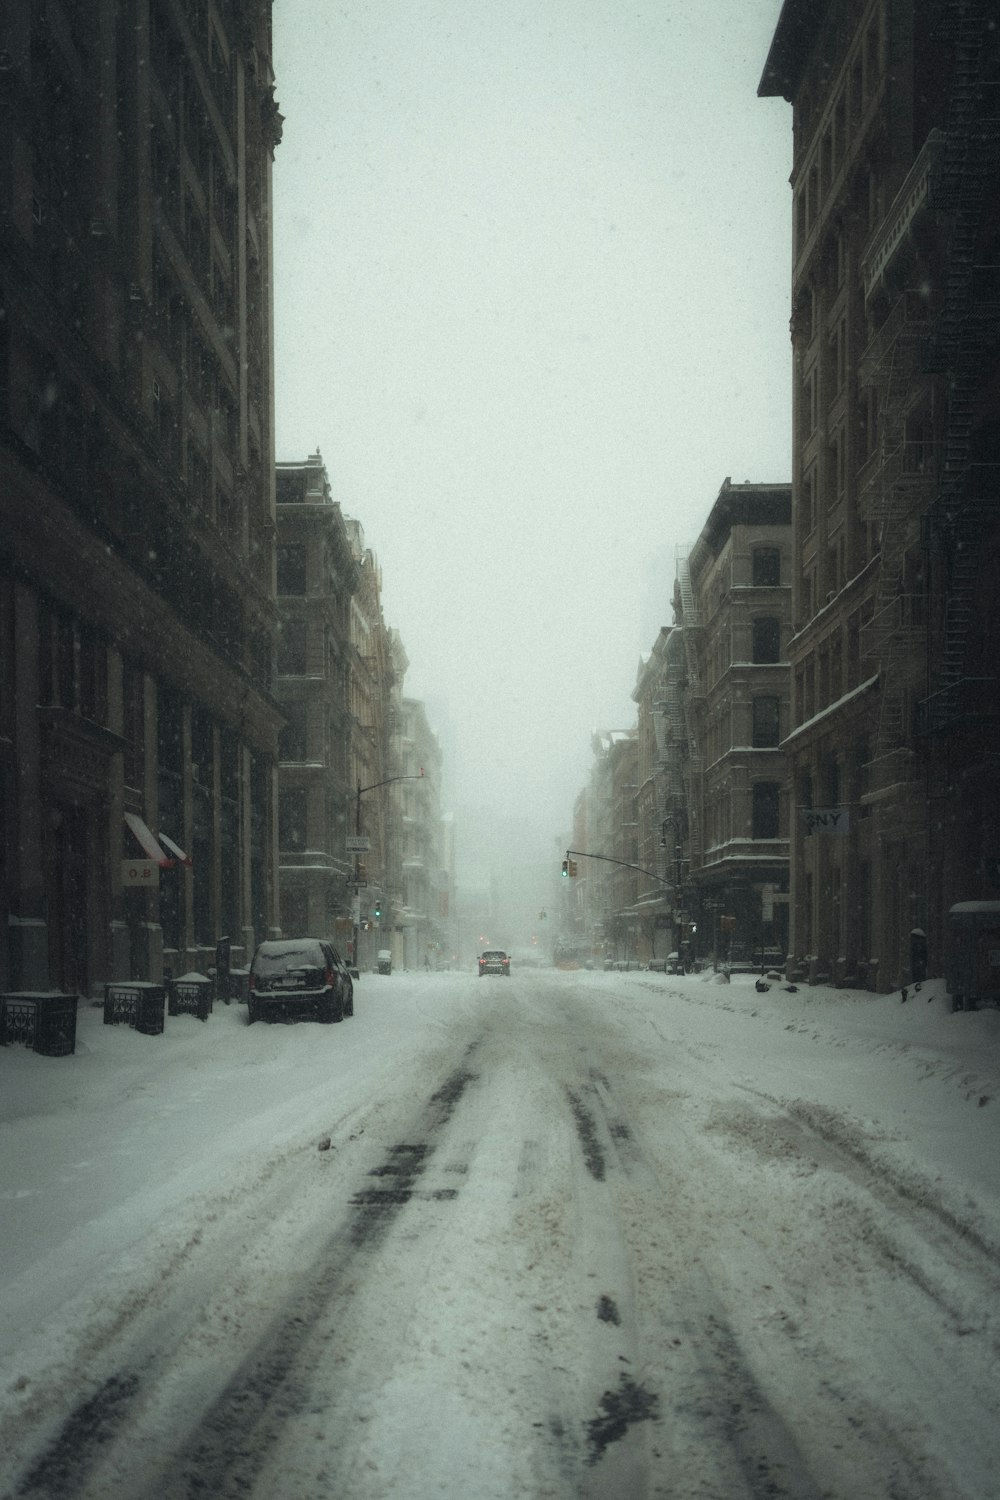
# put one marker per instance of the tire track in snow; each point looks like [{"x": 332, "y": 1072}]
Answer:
[
  {"x": 709, "y": 1401},
  {"x": 223, "y": 1454},
  {"x": 614, "y": 1457},
  {"x": 835, "y": 1144}
]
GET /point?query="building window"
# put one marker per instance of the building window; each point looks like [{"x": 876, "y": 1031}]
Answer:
[
  {"x": 867, "y": 423},
  {"x": 134, "y": 724},
  {"x": 808, "y": 501},
  {"x": 812, "y": 201},
  {"x": 292, "y": 820},
  {"x": 765, "y": 810},
  {"x": 766, "y": 722},
  {"x": 292, "y": 738},
  {"x": 294, "y": 913},
  {"x": 292, "y": 648},
  {"x": 808, "y": 411},
  {"x": 766, "y": 566},
  {"x": 291, "y": 569},
  {"x": 766, "y": 640},
  {"x": 839, "y": 131},
  {"x": 198, "y": 480},
  {"x": 826, "y": 162},
  {"x": 288, "y": 488},
  {"x": 92, "y": 676}
]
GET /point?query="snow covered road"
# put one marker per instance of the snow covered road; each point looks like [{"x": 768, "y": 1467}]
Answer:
[{"x": 559, "y": 1235}]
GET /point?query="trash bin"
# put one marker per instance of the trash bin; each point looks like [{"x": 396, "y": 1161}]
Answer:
[
  {"x": 972, "y": 959},
  {"x": 191, "y": 995},
  {"x": 385, "y": 961},
  {"x": 239, "y": 985},
  {"x": 45, "y": 1022},
  {"x": 918, "y": 955},
  {"x": 136, "y": 1003}
]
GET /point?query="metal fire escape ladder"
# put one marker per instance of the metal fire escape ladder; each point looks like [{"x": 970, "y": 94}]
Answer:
[
  {"x": 671, "y": 736},
  {"x": 964, "y": 334},
  {"x": 889, "y": 499},
  {"x": 691, "y": 624},
  {"x": 661, "y": 774}
]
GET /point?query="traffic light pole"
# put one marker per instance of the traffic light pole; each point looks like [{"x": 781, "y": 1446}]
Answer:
[
  {"x": 388, "y": 780},
  {"x": 583, "y": 854}
]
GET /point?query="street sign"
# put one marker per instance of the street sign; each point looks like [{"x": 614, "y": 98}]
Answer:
[
  {"x": 826, "y": 819},
  {"x": 358, "y": 843}
]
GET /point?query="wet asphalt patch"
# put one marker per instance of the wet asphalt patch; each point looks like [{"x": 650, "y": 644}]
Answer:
[
  {"x": 619, "y": 1410},
  {"x": 376, "y": 1207},
  {"x": 586, "y": 1129},
  {"x": 607, "y": 1311}
]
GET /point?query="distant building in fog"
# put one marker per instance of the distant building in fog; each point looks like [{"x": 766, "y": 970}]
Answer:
[
  {"x": 734, "y": 605},
  {"x": 318, "y": 576},
  {"x": 422, "y": 919}
]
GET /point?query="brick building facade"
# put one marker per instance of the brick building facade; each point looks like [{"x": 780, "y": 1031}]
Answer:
[{"x": 136, "y": 488}]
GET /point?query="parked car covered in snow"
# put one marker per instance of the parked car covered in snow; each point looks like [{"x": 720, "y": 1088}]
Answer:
[{"x": 299, "y": 978}]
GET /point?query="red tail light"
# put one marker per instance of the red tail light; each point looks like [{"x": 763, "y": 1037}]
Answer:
[
  {"x": 252, "y": 982},
  {"x": 328, "y": 977}
]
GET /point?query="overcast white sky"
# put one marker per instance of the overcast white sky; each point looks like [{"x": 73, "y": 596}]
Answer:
[{"x": 531, "y": 291}]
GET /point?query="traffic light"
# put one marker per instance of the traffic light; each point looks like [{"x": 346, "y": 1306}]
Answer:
[
  {"x": 565, "y": 868},
  {"x": 572, "y": 866},
  {"x": 378, "y": 910}
]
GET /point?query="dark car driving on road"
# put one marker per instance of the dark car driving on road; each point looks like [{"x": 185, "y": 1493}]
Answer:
[
  {"x": 299, "y": 978},
  {"x": 494, "y": 961}
]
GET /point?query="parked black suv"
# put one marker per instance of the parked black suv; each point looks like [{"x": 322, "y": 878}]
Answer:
[{"x": 299, "y": 977}]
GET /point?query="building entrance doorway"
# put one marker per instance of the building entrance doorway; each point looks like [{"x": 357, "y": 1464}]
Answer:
[{"x": 66, "y": 879}]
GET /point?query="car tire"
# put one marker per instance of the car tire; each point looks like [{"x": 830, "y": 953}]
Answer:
[
  {"x": 252, "y": 1013},
  {"x": 333, "y": 1011},
  {"x": 349, "y": 1007}
]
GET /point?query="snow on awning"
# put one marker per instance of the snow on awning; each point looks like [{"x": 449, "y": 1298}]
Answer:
[
  {"x": 147, "y": 840},
  {"x": 175, "y": 849}
]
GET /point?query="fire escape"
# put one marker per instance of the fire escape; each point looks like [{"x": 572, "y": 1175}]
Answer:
[
  {"x": 671, "y": 752},
  {"x": 963, "y": 347},
  {"x": 896, "y": 488},
  {"x": 695, "y": 695}
]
